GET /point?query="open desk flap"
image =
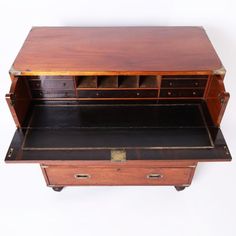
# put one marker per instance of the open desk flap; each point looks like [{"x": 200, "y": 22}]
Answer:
[
  {"x": 59, "y": 133},
  {"x": 217, "y": 99},
  {"x": 18, "y": 154},
  {"x": 18, "y": 100}
]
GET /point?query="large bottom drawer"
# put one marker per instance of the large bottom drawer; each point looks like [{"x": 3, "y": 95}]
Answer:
[{"x": 73, "y": 175}]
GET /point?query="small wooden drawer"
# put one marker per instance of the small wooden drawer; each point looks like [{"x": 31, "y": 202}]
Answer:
[
  {"x": 182, "y": 92},
  {"x": 73, "y": 175},
  {"x": 54, "y": 84},
  {"x": 35, "y": 84},
  {"x": 187, "y": 83},
  {"x": 53, "y": 94},
  {"x": 117, "y": 93}
]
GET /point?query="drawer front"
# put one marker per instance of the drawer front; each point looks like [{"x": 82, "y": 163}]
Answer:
[
  {"x": 197, "y": 83},
  {"x": 182, "y": 92},
  {"x": 117, "y": 94},
  {"x": 68, "y": 176},
  {"x": 52, "y": 84},
  {"x": 53, "y": 94}
]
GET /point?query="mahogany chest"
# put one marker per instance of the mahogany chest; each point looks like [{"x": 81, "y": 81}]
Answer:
[{"x": 117, "y": 105}]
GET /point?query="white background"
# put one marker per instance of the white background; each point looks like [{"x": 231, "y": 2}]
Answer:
[{"x": 28, "y": 207}]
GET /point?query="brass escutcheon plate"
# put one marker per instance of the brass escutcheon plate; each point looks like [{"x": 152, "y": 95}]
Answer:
[{"x": 118, "y": 155}]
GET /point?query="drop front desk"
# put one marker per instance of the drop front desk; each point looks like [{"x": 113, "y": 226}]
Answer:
[{"x": 117, "y": 106}]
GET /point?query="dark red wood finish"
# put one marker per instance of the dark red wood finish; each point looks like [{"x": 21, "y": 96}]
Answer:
[
  {"x": 117, "y": 65},
  {"x": 19, "y": 99},
  {"x": 102, "y": 50}
]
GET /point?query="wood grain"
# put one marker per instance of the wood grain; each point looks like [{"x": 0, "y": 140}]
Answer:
[
  {"x": 67, "y": 176},
  {"x": 18, "y": 100},
  {"x": 116, "y": 50},
  {"x": 66, "y": 65}
]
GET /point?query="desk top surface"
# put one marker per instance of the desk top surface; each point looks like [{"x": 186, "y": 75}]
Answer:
[{"x": 116, "y": 50}]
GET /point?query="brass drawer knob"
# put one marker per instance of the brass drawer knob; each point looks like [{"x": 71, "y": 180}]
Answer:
[
  {"x": 169, "y": 93},
  {"x": 82, "y": 176},
  {"x": 196, "y": 83},
  {"x": 154, "y": 176}
]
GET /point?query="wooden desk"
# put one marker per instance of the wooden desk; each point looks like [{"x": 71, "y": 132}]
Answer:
[{"x": 117, "y": 105}]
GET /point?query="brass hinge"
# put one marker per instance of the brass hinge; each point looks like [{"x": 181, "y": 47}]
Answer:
[
  {"x": 226, "y": 150},
  {"x": 10, "y": 152},
  {"x": 12, "y": 99},
  {"x": 221, "y": 98},
  {"x": 118, "y": 155}
]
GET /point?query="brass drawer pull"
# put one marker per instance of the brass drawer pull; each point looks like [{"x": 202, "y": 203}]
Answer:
[
  {"x": 154, "y": 176},
  {"x": 82, "y": 176}
]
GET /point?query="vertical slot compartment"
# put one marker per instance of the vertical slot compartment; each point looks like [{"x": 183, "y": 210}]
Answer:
[
  {"x": 148, "y": 81},
  {"x": 128, "y": 81},
  {"x": 86, "y": 82},
  {"x": 107, "y": 81}
]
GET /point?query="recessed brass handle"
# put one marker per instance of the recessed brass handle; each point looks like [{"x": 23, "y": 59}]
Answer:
[
  {"x": 82, "y": 176},
  {"x": 154, "y": 176}
]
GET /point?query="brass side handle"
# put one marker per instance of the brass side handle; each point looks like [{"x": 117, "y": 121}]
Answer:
[
  {"x": 82, "y": 176},
  {"x": 154, "y": 176}
]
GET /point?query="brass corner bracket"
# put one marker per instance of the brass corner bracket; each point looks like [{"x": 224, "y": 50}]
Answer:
[
  {"x": 220, "y": 71},
  {"x": 12, "y": 71}
]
